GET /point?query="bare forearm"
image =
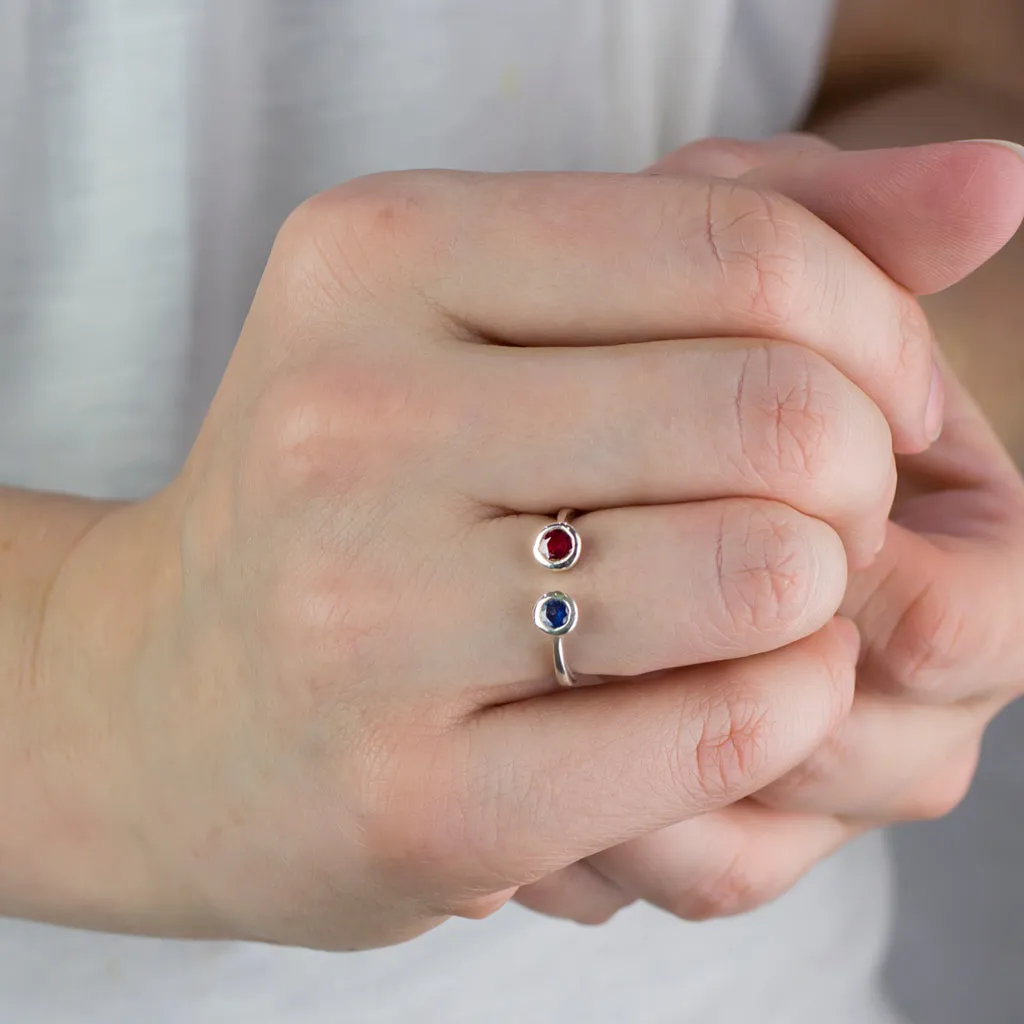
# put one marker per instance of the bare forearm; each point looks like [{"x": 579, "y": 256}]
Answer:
[
  {"x": 36, "y": 533},
  {"x": 71, "y": 602}
]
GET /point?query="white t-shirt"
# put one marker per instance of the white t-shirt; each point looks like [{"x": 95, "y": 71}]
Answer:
[{"x": 148, "y": 151}]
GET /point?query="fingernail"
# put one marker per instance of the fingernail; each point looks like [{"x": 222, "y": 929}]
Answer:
[
  {"x": 850, "y": 636},
  {"x": 1015, "y": 146},
  {"x": 879, "y": 547},
  {"x": 933, "y": 411}
]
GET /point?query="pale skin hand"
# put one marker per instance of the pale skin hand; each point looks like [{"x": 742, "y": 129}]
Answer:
[
  {"x": 938, "y": 612},
  {"x": 906, "y": 72},
  {"x": 297, "y": 696}
]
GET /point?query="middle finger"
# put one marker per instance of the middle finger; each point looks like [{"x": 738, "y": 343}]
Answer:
[{"x": 669, "y": 422}]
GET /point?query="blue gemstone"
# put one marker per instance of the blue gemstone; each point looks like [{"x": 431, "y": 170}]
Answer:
[{"x": 556, "y": 611}]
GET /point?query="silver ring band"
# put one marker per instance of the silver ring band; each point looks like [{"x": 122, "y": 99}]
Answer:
[
  {"x": 556, "y": 615},
  {"x": 558, "y": 547},
  {"x": 563, "y": 674}
]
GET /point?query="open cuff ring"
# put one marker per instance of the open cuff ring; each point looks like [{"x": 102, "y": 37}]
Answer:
[{"x": 558, "y": 546}]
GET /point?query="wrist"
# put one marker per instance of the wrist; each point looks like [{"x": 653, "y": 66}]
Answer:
[{"x": 77, "y": 838}]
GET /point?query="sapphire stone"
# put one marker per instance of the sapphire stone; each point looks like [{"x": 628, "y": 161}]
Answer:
[{"x": 556, "y": 612}]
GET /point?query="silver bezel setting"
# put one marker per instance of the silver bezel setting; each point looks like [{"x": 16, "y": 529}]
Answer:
[
  {"x": 540, "y": 620},
  {"x": 561, "y": 564}
]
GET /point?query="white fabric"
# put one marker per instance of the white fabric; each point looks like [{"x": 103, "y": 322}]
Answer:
[{"x": 148, "y": 151}]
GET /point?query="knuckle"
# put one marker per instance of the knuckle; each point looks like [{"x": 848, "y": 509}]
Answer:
[
  {"x": 826, "y": 764},
  {"x": 755, "y": 240},
  {"x": 292, "y": 429},
  {"x": 773, "y": 569},
  {"x": 911, "y": 353},
  {"x": 818, "y": 733},
  {"x": 479, "y": 908},
  {"x": 931, "y": 638},
  {"x": 741, "y": 886},
  {"x": 732, "y": 745},
  {"x": 325, "y": 427},
  {"x": 836, "y": 690},
  {"x": 595, "y": 916},
  {"x": 360, "y": 239},
  {"x": 295, "y": 435},
  {"x": 943, "y": 791},
  {"x": 801, "y": 426},
  {"x": 791, "y": 416},
  {"x": 722, "y": 157}
]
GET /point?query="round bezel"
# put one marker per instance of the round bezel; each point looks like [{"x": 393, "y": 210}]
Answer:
[
  {"x": 540, "y": 619},
  {"x": 560, "y": 564}
]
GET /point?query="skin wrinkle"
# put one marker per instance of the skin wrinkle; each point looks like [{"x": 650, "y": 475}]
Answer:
[
  {"x": 771, "y": 291},
  {"x": 748, "y": 462},
  {"x": 726, "y": 751},
  {"x": 934, "y": 645},
  {"x": 709, "y": 228},
  {"x": 761, "y": 584},
  {"x": 723, "y": 893},
  {"x": 546, "y": 771},
  {"x": 741, "y": 384},
  {"x": 802, "y": 440},
  {"x": 38, "y": 628},
  {"x": 882, "y": 797},
  {"x": 777, "y": 299},
  {"x": 719, "y": 571}
]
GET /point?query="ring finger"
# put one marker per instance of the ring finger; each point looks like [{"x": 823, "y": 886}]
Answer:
[{"x": 656, "y": 587}]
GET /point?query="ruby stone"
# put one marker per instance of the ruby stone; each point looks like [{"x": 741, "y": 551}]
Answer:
[{"x": 557, "y": 544}]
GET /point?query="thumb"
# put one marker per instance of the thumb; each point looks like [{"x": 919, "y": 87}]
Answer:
[
  {"x": 927, "y": 215},
  {"x": 948, "y": 587},
  {"x": 939, "y": 617}
]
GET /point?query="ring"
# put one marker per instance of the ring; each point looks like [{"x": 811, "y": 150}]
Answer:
[
  {"x": 556, "y": 615},
  {"x": 558, "y": 546}
]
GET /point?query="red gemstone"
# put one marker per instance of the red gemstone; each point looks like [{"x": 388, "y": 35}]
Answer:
[{"x": 557, "y": 544}]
